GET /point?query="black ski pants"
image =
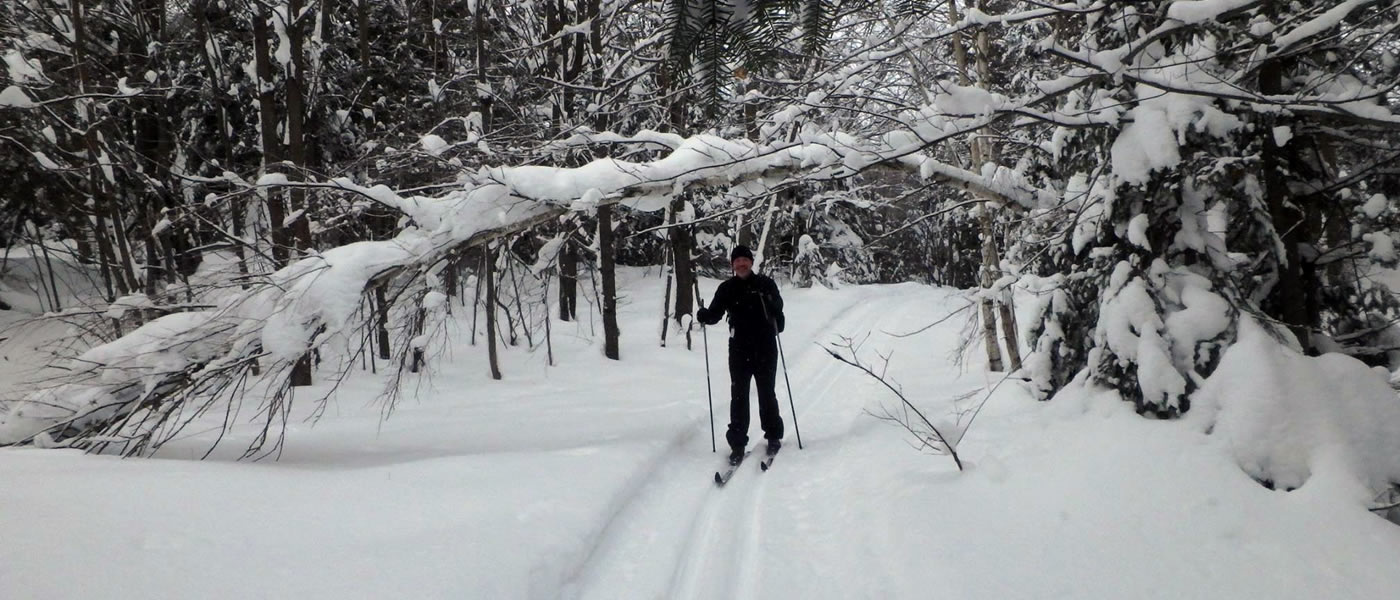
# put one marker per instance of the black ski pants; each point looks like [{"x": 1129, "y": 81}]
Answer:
[{"x": 757, "y": 360}]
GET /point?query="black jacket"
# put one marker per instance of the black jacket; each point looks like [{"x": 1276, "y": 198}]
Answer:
[{"x": 754, "y": 306}]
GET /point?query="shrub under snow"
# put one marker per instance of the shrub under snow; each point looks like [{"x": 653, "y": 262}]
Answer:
[{"x": 1290, "y": 420}]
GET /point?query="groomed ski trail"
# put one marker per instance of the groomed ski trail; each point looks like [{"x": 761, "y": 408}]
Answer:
[
  {"x": 836, "y": 413},
  {"x": 720, "y": 562},
  {"x": 644, "y": 548}
]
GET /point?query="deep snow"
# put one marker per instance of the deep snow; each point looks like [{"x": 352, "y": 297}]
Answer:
[{"x": 592, "y": 479}]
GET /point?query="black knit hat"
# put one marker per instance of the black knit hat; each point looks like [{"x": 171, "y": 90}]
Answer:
[{"x": 740, "y": 251}]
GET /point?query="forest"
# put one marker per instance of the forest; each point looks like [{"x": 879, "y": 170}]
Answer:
[{"x": 245, "y": 182}]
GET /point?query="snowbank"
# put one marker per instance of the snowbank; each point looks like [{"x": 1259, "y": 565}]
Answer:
[{"x": 1292, "y": 420}]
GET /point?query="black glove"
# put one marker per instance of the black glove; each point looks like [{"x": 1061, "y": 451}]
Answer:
[
  {"x": 781, "y": 322},
  {"x": 706, "y": 316}
]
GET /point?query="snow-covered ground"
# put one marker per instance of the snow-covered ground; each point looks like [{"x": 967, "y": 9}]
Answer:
[{"x": 592, "y": 479}]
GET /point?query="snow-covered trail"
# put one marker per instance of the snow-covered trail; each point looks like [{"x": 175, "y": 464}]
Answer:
[
  {"x": 706, "y": 553},
  {"x": 739, "y": 542},
  {"x": 593, "y": 479}
]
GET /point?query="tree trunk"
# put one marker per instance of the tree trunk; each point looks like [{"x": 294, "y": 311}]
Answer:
[
  {"x": 1288, "y": 298},
  {"x": 296, "y": 126},
  {"x": 483, "y": 62},
  {"x": 989, "y": 317},
  {"x": 751, "y": 130},
  {"x": 271, "y": 146},
  {"x": 568, "y": 280},
  {"x": 149, "y": 128},
  {"x": 106, "y": 253},
  {"x": 607, "y": 244},
  {"x": 991, "y": 272},
  {"x": 363, "y": 23},
  {"x": 991, "y": 256},
  {"x": 668, "y": 269},
  {"x": 296, "y": 147},
  {"x": 488, "y": 271},
  {"x": 451, "y": 280},
  {"x": 606, "y": 269},
  {"x": 123, "y": 247},
  {"x": 682, "y": 238},
  {"x": 381, "y": 305},
  {"x": 683, "y": 265}
]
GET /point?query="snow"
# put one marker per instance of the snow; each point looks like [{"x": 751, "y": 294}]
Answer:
[
  {"x": 1327, "y": 424},
  {"x": 15, "y": 97},
  {"x": 272, "y": 179},
  {"x": 1321, "y": 23},
  {"x": 1137, "y": 231},
  {"x": 588, "y": 202},
  {"x": 279, "y": 20},
  {"x": 966, "y": 100},
  {"x": 24, "y": 70},
  {"x": 1196, "y": 11},
  {"x": 1161, "y": 119},
  {"x": 125, "y": 303},
  {"x": 1129, "y": 326},
  {"x": 591, "y": 479},
  {"x": 435, "y": 300},
  {"x": 547, "y": 254},
  {"x": 1145, "y": 145},
  {"x": 1382, "y": 246},
  {"x": 1374, "y": 206},
  {"x": 125, "y": 90},
  {"x": 433, "y": 144},
  {"x": 46, "y": 162},
  {"x": 161, "y": 226},
  {"x": 1203, "y": 317},
  {"x": 326, "y": 290}
]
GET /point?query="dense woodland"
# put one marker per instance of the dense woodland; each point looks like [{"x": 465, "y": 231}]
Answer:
[{"x": 251, "y": 183}]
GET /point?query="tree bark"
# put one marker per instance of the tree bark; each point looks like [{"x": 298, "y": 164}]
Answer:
[
  {"x": 363, "y": 23},
  {"x": 607, "y": 269},
  {"x": 271, "y": 146},
  {"x": 488, "y": 271},
  {"x": 992, "y": 257},
  {"x": 607, "y": 244},
  {"x": 681, "y": 247},
  {"x": 296, "y": 152},
  {"x": 989, "y": 316},
  {"x": 568, "y": 281},
  {"x": 483, "y": 62},
  {"x": 668, "y": 269},
  {"x": 1289, "y": 299},
  {"x": 107, "y": 255},
  {"x": 296, "y": 126},
  {"x": 381, "y": 305}
]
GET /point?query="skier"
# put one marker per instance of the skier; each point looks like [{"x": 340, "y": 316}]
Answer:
[{"x": 755, "y": 318}]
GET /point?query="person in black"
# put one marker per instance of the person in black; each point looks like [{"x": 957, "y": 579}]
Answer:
[{"x": 755, "y": 318}]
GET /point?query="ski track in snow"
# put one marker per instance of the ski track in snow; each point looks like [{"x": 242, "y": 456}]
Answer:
[
  {"x": 835, "y": 423},
  {"x": 606, "y": 492},
  {"x": 724, "y": 556},
  {"x": 719, "y": 551}
]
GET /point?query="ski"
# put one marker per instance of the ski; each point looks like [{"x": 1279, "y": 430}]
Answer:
[
  {"x": 768, "y": 460},
  {"x": 722, "y": 477}
]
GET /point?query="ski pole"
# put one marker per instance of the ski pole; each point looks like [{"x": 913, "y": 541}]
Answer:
[
  {"x": 791, "y": 406},
  {"x": 786, "y": 381},
  {"x": 709, "y": 394}
]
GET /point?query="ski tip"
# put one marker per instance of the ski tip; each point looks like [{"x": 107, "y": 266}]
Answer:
[
  {"x": 763, "y": 466},
  {"x": 719, "y": 479}
]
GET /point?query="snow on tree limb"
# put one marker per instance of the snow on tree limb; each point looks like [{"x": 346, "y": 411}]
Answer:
[{"x": 300, "y": 307}]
